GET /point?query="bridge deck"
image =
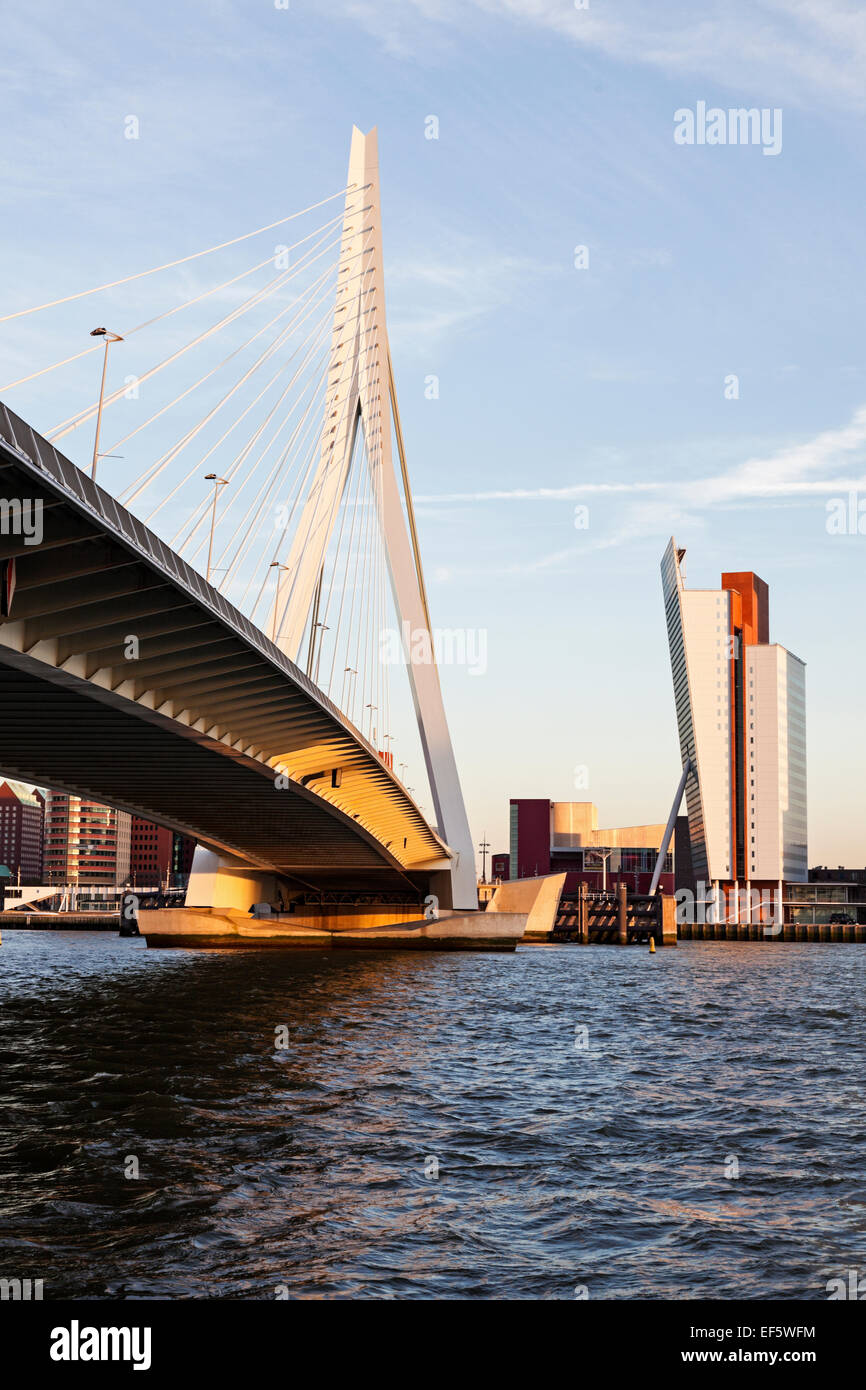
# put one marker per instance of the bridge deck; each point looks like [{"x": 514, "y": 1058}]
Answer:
[{"x": 192, "y": 733}]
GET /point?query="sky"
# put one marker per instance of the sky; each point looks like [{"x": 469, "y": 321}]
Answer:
[{"x": 597, "y": 379}]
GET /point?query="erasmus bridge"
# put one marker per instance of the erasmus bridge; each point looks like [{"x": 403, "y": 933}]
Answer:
[{"x": 204, "y": 648}]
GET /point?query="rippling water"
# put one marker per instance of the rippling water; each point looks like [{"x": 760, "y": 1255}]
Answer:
[{"x": 308, "y": 1169}]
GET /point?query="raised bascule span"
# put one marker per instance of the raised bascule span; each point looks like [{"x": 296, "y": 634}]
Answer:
[{"x": 128, "y": 677}]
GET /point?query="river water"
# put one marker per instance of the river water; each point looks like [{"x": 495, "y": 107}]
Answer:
[{"x": 560, "y": 1122}]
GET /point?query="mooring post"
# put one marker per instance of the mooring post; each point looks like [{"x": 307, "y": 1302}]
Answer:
[
  {"x": 582, "y": 915},
  {"x": 668, "y": 916},
  {"x": 622, "y": 913}
]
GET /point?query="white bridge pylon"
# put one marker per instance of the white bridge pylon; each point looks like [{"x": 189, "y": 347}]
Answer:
[{"x": 360, "y": 393}]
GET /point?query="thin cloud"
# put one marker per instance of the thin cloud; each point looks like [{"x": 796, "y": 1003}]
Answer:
[
  {"x": 450, "y": 295},
  {"x": 789, "y": 472},
  {"x": 785, "y": 50}
]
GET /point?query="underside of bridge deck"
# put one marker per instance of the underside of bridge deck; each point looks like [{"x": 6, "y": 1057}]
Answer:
[
  {"x": 49, "y": 732},
  {"x": 127, "y": 678}
]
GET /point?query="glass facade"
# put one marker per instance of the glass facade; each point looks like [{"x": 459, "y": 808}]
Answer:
[
  {"x": 832, "y": 904},
  {"x": 513, "y": 813}
]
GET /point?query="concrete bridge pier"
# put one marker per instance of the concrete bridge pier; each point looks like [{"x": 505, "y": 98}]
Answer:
[
  {"x": 222, "y": 891},
  {"x": 224, "y": 884}
]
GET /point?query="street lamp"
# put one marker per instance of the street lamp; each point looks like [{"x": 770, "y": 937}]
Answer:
[
  {"x": 484, "y": 847},
  {"x": 217, "y": 484},
  {"x": 317, "y": 643},
  {"x": 275, "y": 564},
  {"x": 109, "y": 339},
  {"x": 603, "y": 855},
  {"x": 346, "y": 696}
]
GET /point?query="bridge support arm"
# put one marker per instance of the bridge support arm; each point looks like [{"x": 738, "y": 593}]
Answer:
[{"x": 669, "y": 828}]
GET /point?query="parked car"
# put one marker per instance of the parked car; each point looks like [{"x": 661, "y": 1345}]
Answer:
[{"x": 841, "y": 919}]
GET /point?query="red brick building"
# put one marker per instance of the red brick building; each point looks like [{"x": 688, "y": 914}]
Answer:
[
  {"x": 22, "y": 814},
  {"x": 150, "y": 854},
  {"x": 85, "y": 842}
]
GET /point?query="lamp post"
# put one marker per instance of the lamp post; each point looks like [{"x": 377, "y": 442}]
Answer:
[
  {"x": 603, "y": 855},
  {"x": 319, "y": 630},
  {"x": 217, "y": 484},
  {"x": 347, "y": 695},
  {"x": 276, "y": 564},
  {"x": 484, "y": 847},
  {"x": 109, "y": 339}
]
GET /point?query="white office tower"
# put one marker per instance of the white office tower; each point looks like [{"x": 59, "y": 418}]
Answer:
[
  {"x": 741, "y": 713},
  {"x": 777, "y": 764}
]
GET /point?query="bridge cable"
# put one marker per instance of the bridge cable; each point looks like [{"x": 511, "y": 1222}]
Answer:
[
  {"x": 74, "y": 421},
  {"x": 324, "y": 472},
  {"x": 347, "y": 506},
  {"x": 118, "y": 442},
  {"x": 358, "y": 470},
  {"x": 264, "y": 496},
  {"x": 175, "y": 309},
  {"x": 304, "y": 458},
  {"x": 309, "y": 460},
  {"x": 182, "y": 260},
  {"x": 81, "y": 418},
  {"x": 134, "y": 490},
  {"x": 239, "y": 458}
]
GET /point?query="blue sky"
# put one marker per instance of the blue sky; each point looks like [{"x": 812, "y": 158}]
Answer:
[{"x": 558, "y": 386}]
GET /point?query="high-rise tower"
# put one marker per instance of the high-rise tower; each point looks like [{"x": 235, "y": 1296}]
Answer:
[{"x": 741, "y": 714}]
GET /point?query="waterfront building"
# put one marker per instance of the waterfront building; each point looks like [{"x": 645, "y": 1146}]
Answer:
[
  {"x": 85, "y": 842},
  {"x": 837, "y": 901},
  {"x": 151, "y": 848},
  {"x": 499, "y": 867},
  {"x": 831, "y": 896},
  {"x": 741, "y": 714},
  {"x": 550, "y": 837},
  {"x": 21, "y": 830},
  {"x": 182, "y": 850},
  {"x": 159, "y": 858},
  {"x": 822, "y": 874}
]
